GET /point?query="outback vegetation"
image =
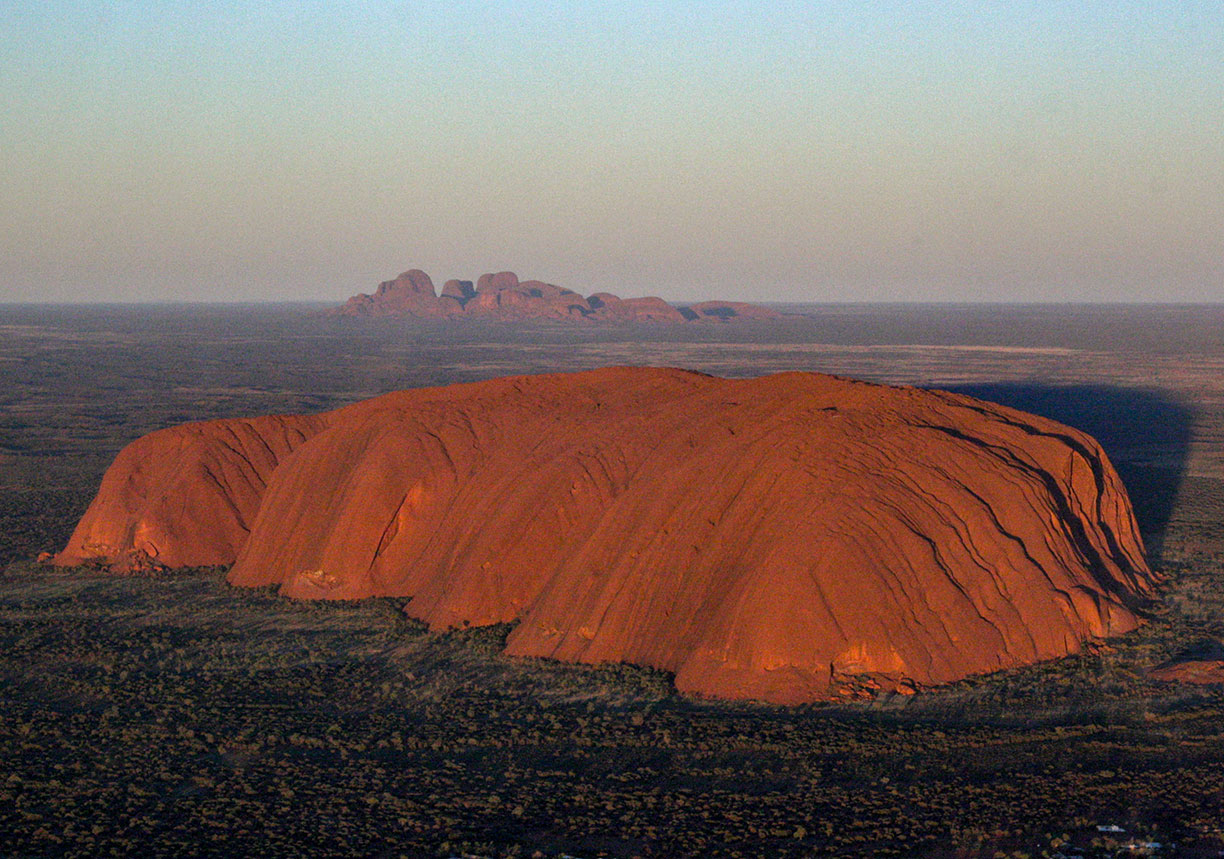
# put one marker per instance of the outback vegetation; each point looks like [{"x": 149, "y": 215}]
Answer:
[{"x": 174, "y": 715}]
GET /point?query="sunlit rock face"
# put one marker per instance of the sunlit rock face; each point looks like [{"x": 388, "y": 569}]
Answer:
[
  {"x": 185, "y": 496},
  {"x": 788, "y": 538},
  {"x": 501, "y": 297}
]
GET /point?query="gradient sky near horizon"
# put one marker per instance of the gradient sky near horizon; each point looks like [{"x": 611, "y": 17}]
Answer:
[{"x": 951, "y": 151}]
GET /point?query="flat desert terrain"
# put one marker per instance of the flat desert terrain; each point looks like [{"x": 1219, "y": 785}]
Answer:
[{"x": 176, "y": 715}]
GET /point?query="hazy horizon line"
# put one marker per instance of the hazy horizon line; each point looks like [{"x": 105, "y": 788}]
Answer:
[{"x": 317, "y": 302}]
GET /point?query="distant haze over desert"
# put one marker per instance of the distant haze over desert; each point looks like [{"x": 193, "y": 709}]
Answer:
[{"x": 796, "y": 152}]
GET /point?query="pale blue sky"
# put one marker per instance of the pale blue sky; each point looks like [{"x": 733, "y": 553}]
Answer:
[{"x": 804, "y": 152}]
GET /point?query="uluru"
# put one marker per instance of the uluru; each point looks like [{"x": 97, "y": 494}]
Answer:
[
  {"x": 788, "y": 538},
  {"x": 502, "y": 297}
]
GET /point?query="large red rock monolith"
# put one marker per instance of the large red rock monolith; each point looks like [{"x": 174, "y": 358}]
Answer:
[{"x": 786, "y": 538}]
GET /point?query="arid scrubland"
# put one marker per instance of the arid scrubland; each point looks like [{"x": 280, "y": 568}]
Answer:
[{"x": 175, "y": 715}]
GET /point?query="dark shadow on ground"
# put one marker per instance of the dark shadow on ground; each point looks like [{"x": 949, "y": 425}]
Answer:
[{"x": 1145, "y": 433}]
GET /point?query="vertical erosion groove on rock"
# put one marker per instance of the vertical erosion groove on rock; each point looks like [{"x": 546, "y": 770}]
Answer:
[{"x": 784, "y": 538}]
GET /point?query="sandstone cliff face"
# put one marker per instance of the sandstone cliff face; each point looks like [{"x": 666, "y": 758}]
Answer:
[
  {"x": 786, "y": 538},
  {"x": 502, "y": 297},
  {"x": 185, "y": 496}
]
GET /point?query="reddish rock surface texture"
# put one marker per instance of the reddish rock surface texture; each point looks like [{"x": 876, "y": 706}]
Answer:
[
  {"x": 788, "y": 538},
  {"x": 501, "y": 297},
  {"x": 1201, "y": 665}
]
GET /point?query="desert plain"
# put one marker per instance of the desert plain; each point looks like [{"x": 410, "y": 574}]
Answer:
[{"x": 176, "y": 715}]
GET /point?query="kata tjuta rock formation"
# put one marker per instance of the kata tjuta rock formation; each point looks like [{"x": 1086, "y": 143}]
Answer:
[
  {"x": 501, "y": 297},
  {"x": 786, "y": 538}
]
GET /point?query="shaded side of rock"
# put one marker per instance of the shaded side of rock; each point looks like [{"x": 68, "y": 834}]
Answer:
[
  {"x": 495, "y": 282},
  {"x": 460, "y": 290}
]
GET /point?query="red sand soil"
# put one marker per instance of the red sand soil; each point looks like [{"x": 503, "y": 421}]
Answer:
[
  {"x": 1201, "y": 665},
  {"x": 1199, "y": 672},
  {"x": 788, "y": 538}
]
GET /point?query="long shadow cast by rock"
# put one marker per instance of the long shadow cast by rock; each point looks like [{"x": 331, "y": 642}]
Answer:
[{"x": 1146, "y": 434}]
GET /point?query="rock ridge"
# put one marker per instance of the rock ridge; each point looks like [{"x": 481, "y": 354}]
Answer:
[{"x": 501, "y": 297}]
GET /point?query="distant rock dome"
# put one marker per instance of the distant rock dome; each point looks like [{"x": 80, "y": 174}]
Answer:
[{"x": 501, "y": 297}]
